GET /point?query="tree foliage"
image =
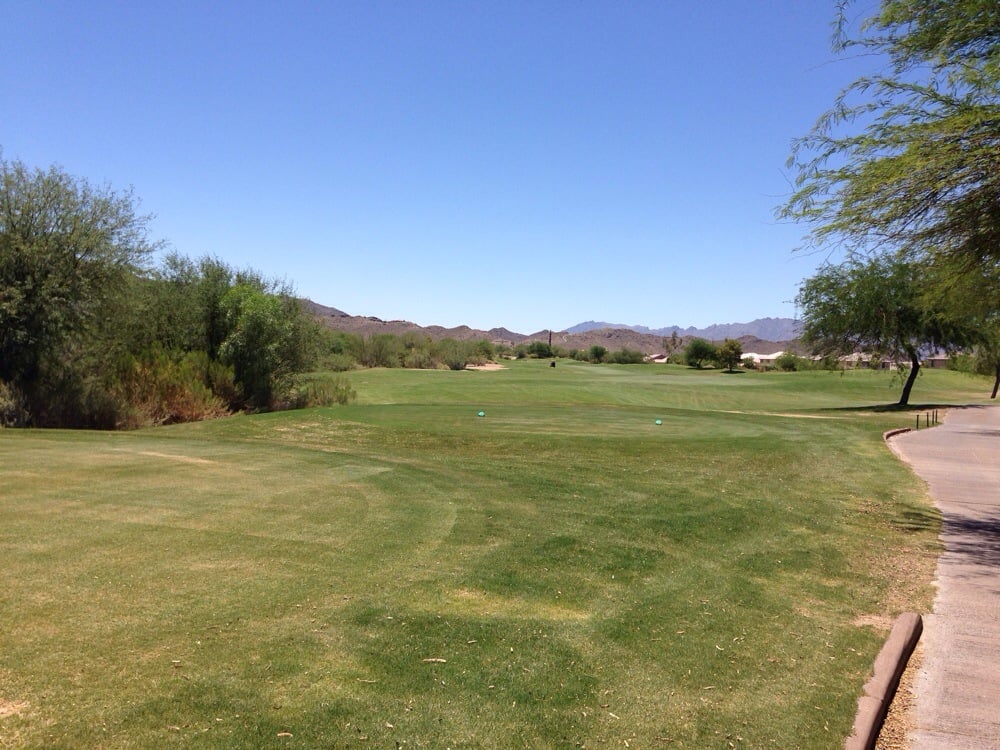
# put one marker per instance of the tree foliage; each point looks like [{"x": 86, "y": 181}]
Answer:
[
  {"x": 698, "y": 352},
  {"x": 68, "y": 251},
  {"x": 968, "y": 300},
  {"x": 260, "y": 343},
  {"x": 729, "y": 354},
  {"x": 908, "y": 159},
  {"x": 91, "y": 336},
  {"x": 876, "y": 306}
]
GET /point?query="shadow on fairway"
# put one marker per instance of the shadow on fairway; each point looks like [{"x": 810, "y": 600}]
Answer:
[
  {"x": 883, "y": 408},
  {"x": 916, "y": 519}
]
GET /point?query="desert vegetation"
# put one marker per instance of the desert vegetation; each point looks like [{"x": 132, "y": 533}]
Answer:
[{"x": 93, "y": 334}]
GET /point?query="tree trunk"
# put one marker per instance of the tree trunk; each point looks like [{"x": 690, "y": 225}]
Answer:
[
  {"x": 904, "y": 397},
  {"x": 996, "y": 382}
]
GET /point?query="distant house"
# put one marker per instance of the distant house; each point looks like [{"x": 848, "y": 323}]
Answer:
[
  {"x": 861, "y": 360},
  {"x": 658, "y": 359},
  {"x": 762, "y": 361},
  {"x": 936, "y": 361}
]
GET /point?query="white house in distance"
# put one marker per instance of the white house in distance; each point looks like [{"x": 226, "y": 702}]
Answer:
[{"x": 761, "y": 361}]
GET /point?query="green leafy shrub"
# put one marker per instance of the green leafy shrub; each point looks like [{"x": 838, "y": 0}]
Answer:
[
  {"x": 788, "y": 362},
  {"x": 452, "y": 354},
  {"x": 419, "y": 359},
  {"x": 321, "y": 392},
  {"x": 626, "y": 356},
  {"x": 539, "y": 350},
  {"x": 337, "y": 362},
  {"x": 597, "y": 353},
  {"x": 698, "y": 352}
]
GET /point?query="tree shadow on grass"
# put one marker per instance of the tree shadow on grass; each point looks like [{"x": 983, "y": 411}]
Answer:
[
  {"x": 884, "y": 408},
  {"x": 916, "y": 519}
]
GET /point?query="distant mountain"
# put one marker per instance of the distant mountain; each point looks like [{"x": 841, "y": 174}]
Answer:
[
  {"x": 322, "y": 311},
  {"x": 768, "y": 329},
  {"x": 763, "y": 336}
]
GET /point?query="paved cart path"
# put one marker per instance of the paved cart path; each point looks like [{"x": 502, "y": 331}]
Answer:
[{"x": 957, "y": 703}]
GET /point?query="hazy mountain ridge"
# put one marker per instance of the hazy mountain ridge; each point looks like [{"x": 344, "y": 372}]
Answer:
[
  {"x": 755, "y": 336},
  {"x": 770, "y": 329}
]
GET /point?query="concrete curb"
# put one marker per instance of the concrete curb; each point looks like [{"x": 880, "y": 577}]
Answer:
[
  {"x": 898, "y": 431},
  {"x": 881, "y": 688}
]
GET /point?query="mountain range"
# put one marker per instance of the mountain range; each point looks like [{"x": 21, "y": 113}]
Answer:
[
  {"x": 771, "y": 329},
  {"x": 765, "y": 335}
]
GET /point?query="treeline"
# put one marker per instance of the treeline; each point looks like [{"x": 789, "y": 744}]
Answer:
[
  {"x": 341, "y": 351},
  {"x": 92, "y": 334},
  {"x": 189, "y": 340}
]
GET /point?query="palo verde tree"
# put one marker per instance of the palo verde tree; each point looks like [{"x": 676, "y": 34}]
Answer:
[
  {"x": 968, "y": 299},
  {"x": 68, "y": 252},
  {"x": 908, "y": 160},
  {"x": 875, "y": 306}
]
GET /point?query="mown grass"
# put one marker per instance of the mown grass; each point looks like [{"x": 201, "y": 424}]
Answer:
[{"x": 402, "y": 573}]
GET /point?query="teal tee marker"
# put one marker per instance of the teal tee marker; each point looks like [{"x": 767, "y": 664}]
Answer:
[
  {"x": 481, "y": 414},
  {"x": 659, "y": 421}
]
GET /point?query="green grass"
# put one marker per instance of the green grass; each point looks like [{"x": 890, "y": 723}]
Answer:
[{"x": 582, "y": 576}]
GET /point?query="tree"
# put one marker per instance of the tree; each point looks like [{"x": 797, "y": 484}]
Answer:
[
  {"x": 875, "y": 306},
  {"x": 540, "y": 350},
  {"x": 68, "y": 252},
  {"x": 729, "y": 354},
  {"x": 968, "y": 300},
  {"x": 922, "y": 177},
  {"x": 265, "y": 344},
  {"x": 698, "y": 352},
  {"x": 597, "y": 353}
]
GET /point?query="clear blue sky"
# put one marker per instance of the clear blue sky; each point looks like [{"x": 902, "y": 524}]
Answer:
[{"x": 521, "y": 164}]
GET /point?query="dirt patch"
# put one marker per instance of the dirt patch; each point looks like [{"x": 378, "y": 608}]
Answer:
[
  {"x": 173, "y": 457},
  {"x": 879, "y": 622},
  {"x": 778, "y": 414},
  {"x": 12, "y": 708}
]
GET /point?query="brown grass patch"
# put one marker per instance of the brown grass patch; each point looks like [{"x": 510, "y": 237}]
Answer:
[
  {"x": 12, "y": 708},
  {"x": 881, "y": 623},
  {"x": 174, "y": 457}
]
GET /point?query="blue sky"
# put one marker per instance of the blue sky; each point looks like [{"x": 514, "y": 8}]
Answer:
[{"x": 521, "y": 164}]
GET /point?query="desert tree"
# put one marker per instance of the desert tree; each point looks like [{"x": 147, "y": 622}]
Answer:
[
  {"x": 907, "y": 160},
  {"x": 968, "y": 299},
  {"x": 876, "y": 306},
  {"x": 68, "y": 254},
  {"x": 729, "y": 354},
  {"x": 268, "y": 341},
  {"x": 698, "y": 352}
]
